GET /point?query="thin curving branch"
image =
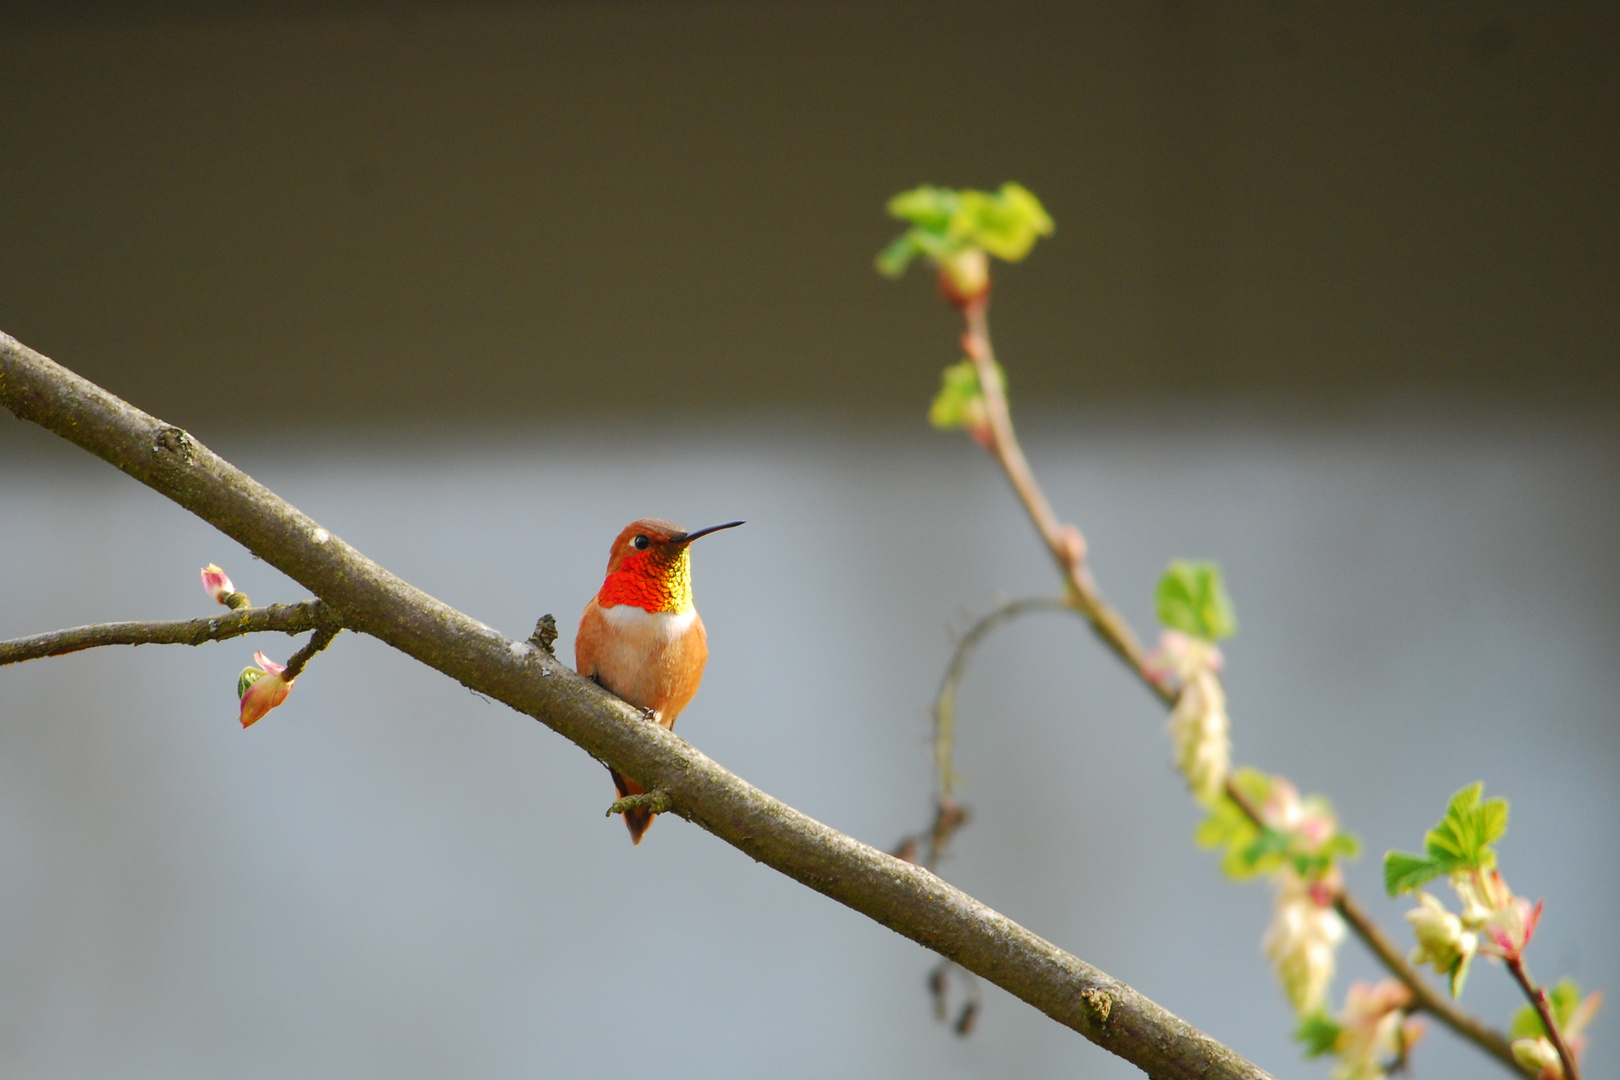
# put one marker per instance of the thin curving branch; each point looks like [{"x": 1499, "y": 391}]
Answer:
[
  {"x": 364, "y": 597},
  {"x": 1065, "y": 543},
  {"x": 279, "y": 618},
  {"x": 950, "y": 815},
  {"x": 945, "y": 700},
  {"x": 1543, "y": 1007}
]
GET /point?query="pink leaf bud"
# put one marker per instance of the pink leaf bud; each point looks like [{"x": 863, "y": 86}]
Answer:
[
  {"x": 261, "y": 689},
  {"x": 1442, "y": 940},
  {"x": 216, "y": 583}
]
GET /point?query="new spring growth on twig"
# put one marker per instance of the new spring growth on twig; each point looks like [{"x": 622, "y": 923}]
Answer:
[
  {"x": 958, "y": 231},
  {"x": 261, "y": 689},
  {"x": 1492, "y": 921},
  {"x": 1266, "y": 828},
  {"x": 1373, "y": 1037},
  {"x": 1571, "y": 1013},
  {"x": 217, "y": 584},
  {"x": 1196, "y": 613}
]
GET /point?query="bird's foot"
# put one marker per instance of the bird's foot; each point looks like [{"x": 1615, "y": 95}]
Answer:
[{"x": 657, "y": 801}]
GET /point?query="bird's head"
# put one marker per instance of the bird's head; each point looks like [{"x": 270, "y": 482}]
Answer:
[{"x": 650, "y": 566}]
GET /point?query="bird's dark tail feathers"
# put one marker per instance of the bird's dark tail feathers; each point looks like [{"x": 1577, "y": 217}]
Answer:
[{"x": 639, "y": 819}]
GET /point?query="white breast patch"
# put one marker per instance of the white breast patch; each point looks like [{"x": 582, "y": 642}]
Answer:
[{"x": 635, "y": 622}]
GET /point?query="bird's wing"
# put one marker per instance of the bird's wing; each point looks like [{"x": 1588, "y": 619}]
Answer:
[{"x": 588, "y": 640}]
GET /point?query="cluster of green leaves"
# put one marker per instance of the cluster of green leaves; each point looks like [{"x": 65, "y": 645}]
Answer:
[
  {"x": 1319, "y": 1032},
  {"x": 1252, "y": 849},
  {"x": 1460, "y": 842},
  {"x": 946, "y": 222},
  {"x": 1565, "y": 999},
  {"x": 1191, "y": 598},
  {"x": 960, "y": 401}
]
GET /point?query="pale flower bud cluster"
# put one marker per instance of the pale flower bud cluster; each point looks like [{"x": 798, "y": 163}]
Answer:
[
  {"x": 1493, "y": 921},
  {"x": 1376, "y": 1030},
  {"x": 1506, "y": 922},
  {"x": 1199, "y": 727},
  {"x": 1442, "y": 940},
  {"x": 1310, "y": 821},
  {"x": 1301, "y": 939},
  {"x": 1540, "y": 1057}
]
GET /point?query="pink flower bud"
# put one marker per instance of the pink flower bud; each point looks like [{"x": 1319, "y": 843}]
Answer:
[
  {"x": 261, "y": 690},
  {"x": 216, "y": 583}
]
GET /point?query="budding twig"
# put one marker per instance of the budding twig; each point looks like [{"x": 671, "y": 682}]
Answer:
[
  {"x": 1067, "y": 547},
  {"x": 1424, "y": 997},
  {"x": 945, "y": 701},
  {"x": 279, "y": 618},
  {"x": 1543, "y": 1007},
  {"x": 1065, "y": 543},
  {"x": 320, "y": 639}
]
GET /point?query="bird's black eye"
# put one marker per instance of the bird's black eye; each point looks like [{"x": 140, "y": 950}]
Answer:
[{"x": 641, "y": 543}]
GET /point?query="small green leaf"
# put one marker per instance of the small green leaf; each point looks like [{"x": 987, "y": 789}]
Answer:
[
  {"x": 927, "y": 207},
  {"x": 1403, "y": 872},
  {"x": 1344, "y": 845},
  {"x": 1527, "y": 1024},
  {"x": 893, "y": 260},
  {"x": 1459, "y": 975},
  {"x": 1005, "y": 224},
  {"x": 1319, "y": 1032},
  {"x": 945, "y": 223},
  {"x": 1564, "y": 998},
  {"x": 959, "y": 403},
  {"x": 1249, "y": 850},
  {"x": 1191, "y": 598},
  {"x": 249, "y": 676},
  {"x": 1462, "y": 839},
  {"x": 1226, "y": 825},
  {"x": 1266, "y": 852}
]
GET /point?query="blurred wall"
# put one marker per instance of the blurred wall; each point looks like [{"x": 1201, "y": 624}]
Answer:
[
  {"x": 562, "y": 215},
  {"x": 400, "y": 212}
]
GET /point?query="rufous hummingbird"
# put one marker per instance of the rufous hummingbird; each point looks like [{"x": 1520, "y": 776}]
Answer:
[{"x": 640, "y": 636}]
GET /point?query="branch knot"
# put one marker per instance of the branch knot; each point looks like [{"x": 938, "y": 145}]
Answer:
[{"x": 657, "y": 801}]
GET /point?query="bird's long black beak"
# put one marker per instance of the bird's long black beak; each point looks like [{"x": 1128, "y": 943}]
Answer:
[{"x": 687, "y": 538}]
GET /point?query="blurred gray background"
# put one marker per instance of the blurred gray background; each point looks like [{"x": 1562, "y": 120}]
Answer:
[{"x": 1332, "y": 300}]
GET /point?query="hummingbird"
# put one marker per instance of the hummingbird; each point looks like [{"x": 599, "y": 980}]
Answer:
[{"x": 640, "y": 637}]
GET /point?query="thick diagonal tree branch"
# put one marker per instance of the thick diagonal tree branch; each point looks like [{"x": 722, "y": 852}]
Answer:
[{"x": 365, "y": 597}]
